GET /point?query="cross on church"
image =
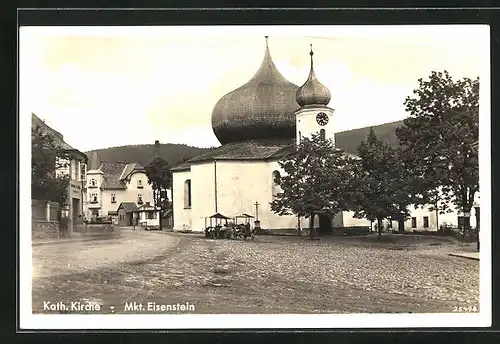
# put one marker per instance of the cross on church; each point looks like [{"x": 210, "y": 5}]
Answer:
[{"x": 256, "y": 211}]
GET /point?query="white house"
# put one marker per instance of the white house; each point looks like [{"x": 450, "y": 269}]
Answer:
[
  {"x": 148, "y": 215},
  {"x": 109, "y": 184}
]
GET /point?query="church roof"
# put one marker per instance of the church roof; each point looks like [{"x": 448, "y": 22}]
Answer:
[
  {"x": 264, "y": 107},
  {"x": 274, "y": 149},
  {"x": 258, "y": 149}
]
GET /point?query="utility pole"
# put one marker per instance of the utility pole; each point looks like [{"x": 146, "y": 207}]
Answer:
[{"x": 256, "y": 211}]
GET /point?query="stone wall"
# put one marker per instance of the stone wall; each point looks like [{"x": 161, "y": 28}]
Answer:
[
  {"x": 41, "y": 229},
  {"x": 44, "y": 219}
]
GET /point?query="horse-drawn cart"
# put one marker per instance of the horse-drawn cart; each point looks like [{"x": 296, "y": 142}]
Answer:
[{"x": 225, "y": 229}]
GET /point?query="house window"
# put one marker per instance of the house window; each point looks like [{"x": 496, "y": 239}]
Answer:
[
  {"x": 113, "y": 198},
  {"x": 139, "y": 199},
  {"x": 322, "y": 134},
  {"x": 426, "y": 221},
  {"x": 93, "y": 198},
  {"x": 150, "y": 215},
  {"x": 413, "y": 222},
  {"x": 187, "y": 193},
  {"x": 276, "y": 183},
  {"x": 83, "y": 171},
  {"x": 139, "y": 184},
  {"x": 74, "y": 172},
  {"x": 92, "y": 183},
  {"x": 95, "y": 213}
]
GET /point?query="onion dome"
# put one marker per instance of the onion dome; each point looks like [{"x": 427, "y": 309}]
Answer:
[
  {"x": 264, "y": 107},
  {"x": 313, "y": 92}
]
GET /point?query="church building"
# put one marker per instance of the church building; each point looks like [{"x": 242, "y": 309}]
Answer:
[{"x": 257, "y": 125}]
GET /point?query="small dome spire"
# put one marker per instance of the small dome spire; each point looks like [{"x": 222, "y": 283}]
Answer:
[{"x": 313, "y": 92}]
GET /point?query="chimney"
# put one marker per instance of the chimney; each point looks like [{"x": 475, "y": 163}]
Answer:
[{"x": 156, "y": 150}]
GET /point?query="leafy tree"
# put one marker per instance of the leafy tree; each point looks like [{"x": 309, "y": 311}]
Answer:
[
  {"x": 46, "y": 158},
  {"x": 317, "y": 180},
  {"x": 441, "y": 136},
  {"x": 383, "y": 183},
  {"x": 160, "y": 179}
]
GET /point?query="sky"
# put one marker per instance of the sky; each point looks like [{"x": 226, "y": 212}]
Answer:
[{"x": 113, "y": 86}]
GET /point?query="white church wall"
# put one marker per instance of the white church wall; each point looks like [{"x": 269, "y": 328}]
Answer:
[
  {"x": 239, "y": 185},
  {"x": 182, "y": 215},
  {"x": 281, "y": 222},
  {"x": 203, "y": 194},
  {"x": 350, "y": 221},
  {"x": 242, "y": 183}
]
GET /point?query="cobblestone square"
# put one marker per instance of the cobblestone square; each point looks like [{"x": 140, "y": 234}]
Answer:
[{"x": 267, "y": 275}]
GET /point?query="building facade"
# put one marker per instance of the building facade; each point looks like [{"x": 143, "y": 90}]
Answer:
[
  {"x": 74, "y": 165},
  {"x": 110, "y": 184}
]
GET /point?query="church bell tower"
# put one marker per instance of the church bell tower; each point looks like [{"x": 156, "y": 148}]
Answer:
[{"x": 314, "y": 116}]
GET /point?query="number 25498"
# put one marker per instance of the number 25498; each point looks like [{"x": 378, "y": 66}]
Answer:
[{"x": 464, "y": 309}]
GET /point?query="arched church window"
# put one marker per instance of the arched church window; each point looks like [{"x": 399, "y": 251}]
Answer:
[
  {"x": 187, "y": 193},
  {"x": 276, "y": 183},
  {"x": 322, "y": 134}
]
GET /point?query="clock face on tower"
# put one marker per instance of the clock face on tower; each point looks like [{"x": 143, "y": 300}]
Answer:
[{"x": 322, "y": 118}]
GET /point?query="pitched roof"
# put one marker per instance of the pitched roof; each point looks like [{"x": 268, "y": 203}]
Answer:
[
  {"x": 129, "y": 169},
  {"x": 116, "y": 174},
  {"x": 112, "y": 172},
  {"x": 129, "y": 207},
  {"x": 58, "y": 137},
  {"x": 274, "y": 149}
]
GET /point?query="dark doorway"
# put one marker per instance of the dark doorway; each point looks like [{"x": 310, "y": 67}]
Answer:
[
  {"x": 76, "y": 211},
  {"x": 325, "y": 224}
]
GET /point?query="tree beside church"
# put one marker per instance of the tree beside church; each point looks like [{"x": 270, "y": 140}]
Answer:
[
  {"x": 317, "y": 180},
  {"x": 383, "y": 183},
  {"x": 441, "y": 136}
]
